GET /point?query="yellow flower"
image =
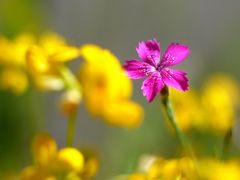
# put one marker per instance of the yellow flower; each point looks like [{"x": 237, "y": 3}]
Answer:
[
  {"x": 31, "y": 172},
  {"x": 70, "y": 159},
  {"x": 14, "y": 80},
  {"x": 187, "y": 109},
  {"x": 213, "y": 109},
  {"x": 12, "y": 62},
  {"x": 45, "y": 58},
  {"x": 173, "y": 169},
  {"x": 13, "y": 51},
  {"x": 52, "y": 164},
  {"x": 153, "y": 167},
  {"x": 106, "y": 88},
  {"x": 211, "y": 169},
  {"x": 137, "y": 176},
  {"x": 56, "y": 47},
  {"x": 220, "y": 98},
  {"x": 44, "y": 149},
  {"x": 104, "y": 73},
  {"x": 123, "y": 113},
  {"x": 91, "y": 164},
  {"x": 41, "y": 58}
]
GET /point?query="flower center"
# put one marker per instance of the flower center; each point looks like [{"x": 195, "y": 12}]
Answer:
[{"x": 160, "y": 68}]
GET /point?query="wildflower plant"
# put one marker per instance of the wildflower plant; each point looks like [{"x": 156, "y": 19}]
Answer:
[{"x": 159, "y": 76}]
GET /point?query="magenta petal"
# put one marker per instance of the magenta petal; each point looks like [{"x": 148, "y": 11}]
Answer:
[
  {"x": 137, "y": 69},
  {"x": 152, "y": 86},
  {"x": 149, "y": 52},
  {"x": 174, "y": 54},
  {"x": 175, "y": 78}
]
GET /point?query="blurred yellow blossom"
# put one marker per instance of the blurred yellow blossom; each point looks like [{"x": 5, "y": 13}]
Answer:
[
  {"x": 123, "y": 113},
  {"x": 211, "y": 169},
  {"x": 51, "y": 163},
  {"x": 44, "y": 149},
  {"x": 46, "y": 57},
  {"x": 13, "y": 50},
  {"x": 137, "y": 176},
  {"x": 172, "y": 169},
  {"x": 56, "y": 47},
  {"x": 153, "y": 168},
  {"x": 14, "y": 80},
  {"x": 220, "y": 98},
  {"x": 91, "y": 164},
  {"x": 46, "y": 64},
  {"x": 212, "y": 109},
  {"x": 40, "y": 56},
  {"x": 70, "y": 159},
  {"x": 187, "y": 109},
  {"x": 106, "y": 88},
  {"x": 13, "y": 75}
]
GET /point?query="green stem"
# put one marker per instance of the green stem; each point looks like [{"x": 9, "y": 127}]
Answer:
[
  {"x": 226, "y": 143},
  {"x": 70, "y": 80},
  {"x": 71, "y": 128},
  {"x": 169, "y": 112},
  {"x": 71, "y": 83}
]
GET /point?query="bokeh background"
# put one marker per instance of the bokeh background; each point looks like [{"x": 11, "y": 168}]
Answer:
[{"x": 210, "y": 28}]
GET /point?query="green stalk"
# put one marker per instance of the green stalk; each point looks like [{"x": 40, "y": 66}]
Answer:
[
  {"x": 170, "y": 115},
  {"x": 71, "y": 83},
  {"x": 71, "y": 129},
  {"x": 226, "y": 143},
  {"x": 69, "y": 79}
]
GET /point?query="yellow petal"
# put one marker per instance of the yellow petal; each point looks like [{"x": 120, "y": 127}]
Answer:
[
  {"x": 106, "y": 88},
  {"x": 65, "y": 54},
  {"x": 188, "y": 110},
  {"x": 51, "y": 42},
  {"x": 95, "y": 55},
  {"x": 91, "y": 164},
  {"x": 104, "y": 73},
  {"x": 20, "y": 46},
  {"x": 70, "y": 159},
  {"x": 220, "y": 98},
  {"x": 124, "y": 114},
  {"x": 91, "y": 167},
  {"x": 6, "y": 47},
  {"x": 14, "y": 80},
  {"x": 37, "y": 60},
  {"x": 213, "y": 169},
  {"x": 44, "y": 149},
  {"x": 101, "y": 85},
  {"x": 137, "y": 176}
]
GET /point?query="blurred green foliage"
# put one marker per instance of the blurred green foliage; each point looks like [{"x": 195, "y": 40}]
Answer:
[
  {"x": 20, "y": 15},
  {"x": 18, "y": 122},
  {"x": 18, "y": 114}
]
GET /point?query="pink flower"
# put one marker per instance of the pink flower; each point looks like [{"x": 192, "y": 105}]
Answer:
[{"x": 157, "y": 71}]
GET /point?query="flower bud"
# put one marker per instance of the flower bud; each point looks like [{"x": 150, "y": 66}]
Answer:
[{"x": 70, "y": 101}]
